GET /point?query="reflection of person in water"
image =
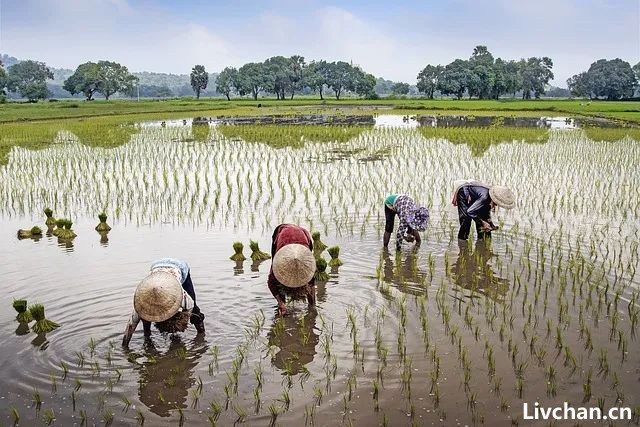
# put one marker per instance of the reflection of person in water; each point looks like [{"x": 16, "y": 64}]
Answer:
[
  {"x": 296, "y": 338},
  {"x": 402, "y": 270},
  {"x": 165, "y": 379},
  {"x": 472, "y": 270}
]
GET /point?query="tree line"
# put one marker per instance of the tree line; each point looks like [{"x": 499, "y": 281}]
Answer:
[
  {"x": 485, "y": 77},
  {"x": 481, "y": 76}
]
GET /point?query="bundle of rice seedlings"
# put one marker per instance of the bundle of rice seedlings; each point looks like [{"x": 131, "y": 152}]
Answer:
[
  {"x": 24, "y": 316},
  {"x": 318, "y": 246},
  {"x": 51, "y": 221},
  {"x": 59, "y": 226},
  {"x": 320, "y": 274},
  {"x": 34, "y": 231},
  {"x": 334, "y": 251},
  {"x": 65, "y": 232},
  {"x": 102, "y": 226},
  {"x": 238, "y": 255},
  {"x": 176, "y": 323},
  {"x": 42, "y": 324},
  {"x": 256, "y": 253}
]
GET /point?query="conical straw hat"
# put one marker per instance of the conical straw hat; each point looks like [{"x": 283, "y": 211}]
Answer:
[
  {"x": 158, "y": 297},
  {"x": 502, "y": 196},
  {"x": 294, "y": 265}
]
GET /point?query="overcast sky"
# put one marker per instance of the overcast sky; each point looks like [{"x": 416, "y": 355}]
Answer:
[{"x": 392, "y": 39}]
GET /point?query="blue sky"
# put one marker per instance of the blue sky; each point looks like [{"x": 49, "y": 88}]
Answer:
[{"x": 392, "y": 39}]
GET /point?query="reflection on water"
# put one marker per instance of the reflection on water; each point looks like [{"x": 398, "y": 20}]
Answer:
[
  {"x": 472, "y": 270},
  {"x": 296, "y": 337},
  {"x": 165, "y": 378},
  {"x": 22, "y": 329},
  {"x": 404, "y": 271},
  {"x": 104, "y": 238}
]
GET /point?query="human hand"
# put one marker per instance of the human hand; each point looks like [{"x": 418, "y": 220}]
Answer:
[
  {"x": 282, "y": 309},
  {"x": 409, "y": 238},
  {"x": 486, "y": 226}
]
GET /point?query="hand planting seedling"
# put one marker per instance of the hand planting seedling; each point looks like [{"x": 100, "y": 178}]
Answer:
[
  {"x": 24, "y": 315},
  {"x": 42, "y": 325},
  {"x": 321, "y": 267},
  {"x": 34, "y": 231},
  {"x": 334, "y": 251},
  {"x": 256, "y": 253},
  {"x": 238, "y": 255},
  {"x": 102, "y": 226}
]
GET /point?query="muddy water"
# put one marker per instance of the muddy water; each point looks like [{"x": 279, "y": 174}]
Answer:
[{"x": 447, "y": 334}]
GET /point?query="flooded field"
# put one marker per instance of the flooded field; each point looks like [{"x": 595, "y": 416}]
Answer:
[{"x": 453, "y": 333}]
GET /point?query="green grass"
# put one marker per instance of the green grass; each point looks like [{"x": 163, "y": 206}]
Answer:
[
  {"x": 292, "y": 135},
  {"x": 12, "y": 111}
]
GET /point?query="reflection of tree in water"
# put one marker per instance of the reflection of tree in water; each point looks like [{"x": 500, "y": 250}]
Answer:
[
  {"x": 296, "y": 338},
  {"x": 472, "y": 270},
  {"x": 165, "y": 379},
  {"x": 403, "y": 272}
]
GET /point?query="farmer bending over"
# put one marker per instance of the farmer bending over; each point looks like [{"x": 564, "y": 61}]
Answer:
[
  {"x": 475, "y": 201},
  {"x": 293, "y": 266},
  {"x": 166, "y": 297},
  {"x": 413, "y": 218}
]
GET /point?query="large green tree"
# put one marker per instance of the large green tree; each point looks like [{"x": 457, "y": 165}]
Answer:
[
  {"x": 199, "y": 79},
  {"x": 317, "y": 76},
  {"x": 535, "y": 74},
  {"x": 29, "y": 78},
  {"x": 114, "y": 78},
  {"x": 86, "y": 80},
  {"x": 400, "y": 88},
  {"x": 3, "y": 82},
  {"x": 297, "y": 73},
  {"x": 226, "y": 81},
  {"x": 277, "y": 75},
  {"x": 454, "y": 80},
  {"x": 340, "y": 77},
  {"x": 428, "y": 79},
  {"x": 610, "y": 79},
  {"x": 251, "y": 79}
]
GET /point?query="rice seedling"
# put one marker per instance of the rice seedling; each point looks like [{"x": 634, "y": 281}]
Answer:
[
  {"x": 42, "y": 325},
  {"x": 256, "y": 253},
  {"x": 321, "y": 266},
  {"x": 274, "y": 411},
  {"x": 238, "y": 255},
  {"x": 334, "y": 252},
  {"x": 37, "y": 399},
  {"x": 318, "y": 245},
  {"x": 24, "y": 315},
  {"x": 15, "y": 415},
  {"x": 48, "y": 416},
  {"x": 140, "y": 418}
]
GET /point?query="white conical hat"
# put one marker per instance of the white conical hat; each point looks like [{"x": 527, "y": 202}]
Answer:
[
  {"x": 158, "y": 297},
  {"x": 502, "y": 196},
  {"x": 294, "y": 265}
]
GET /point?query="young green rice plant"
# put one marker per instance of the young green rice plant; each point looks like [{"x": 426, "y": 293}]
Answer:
[
  {"x": 318, "y": 245},
  {"x": 48, "y": 416},
  {"x": 37, "y": 399},
  {"x": 15, "y": 415},
  {"x": 318, "y": 394},
  {"x": 216, "y": 409},
  {"x": 274, "y": 411},
  {"x": 78, "y": 384},
  {"x": 102, "y": 226},
  {"x": 240, "y": 412},
  {"x": 140, "y": 417},
  {"x": 334, "y": 252},
  {"x": 321, "y": 266},
  {"x": 238, "y": 255},
  {"x": 256, "y": 253},
  {"x": 50, "y": 221},
  {"x": 586, "y": 387},
  {"x": 24, "y": 315},
  {"x": 42, "y": 325}
]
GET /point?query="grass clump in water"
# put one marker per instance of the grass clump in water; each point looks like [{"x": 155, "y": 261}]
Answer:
[
  {"x": 34, "y": 231},
  {"x": 50, "y": 222},
  {"x": 318, "y": 245},
  {"x": 63, "y": 230},
  {"x": 256, "y": 253},
  {"x": 321, "y": 267},
  {"x": 238, "y": 255},
  {"x": 102, "y": 226},
  {"x": 42, "y": 325},
  {"x": 24, "y": 315},
  {"x": 334, "y": 251}
]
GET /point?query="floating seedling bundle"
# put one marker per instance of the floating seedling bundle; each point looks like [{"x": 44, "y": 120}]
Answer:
[
  {"x": 177, "y": 323},
  {"x": 334, "y": 251},
  {"x": 34, "y": 231},
  {"x": 42, "y": 324},
  {"x": 238, "y": 255},
  {"x": 102, "y": 226},
  {"x": 63, "y": 230},
  {"x": 24, "y": 315},
  {"x": 256, "y": 253},
  {"x": 321, "y": 267},
  {"x": 318, "y": 245},
  {"x": 50, "y": 222}
]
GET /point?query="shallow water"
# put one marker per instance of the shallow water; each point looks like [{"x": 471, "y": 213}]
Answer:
[{"x": 419, "y": 325}]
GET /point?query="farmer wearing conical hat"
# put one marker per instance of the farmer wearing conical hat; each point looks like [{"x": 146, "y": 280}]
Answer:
[
  {"x": 293, "y": 265},
  {"x": 475, "y": 201},
  {"x": 413, "y": 219},
  {"x": 166, "y": 297}
]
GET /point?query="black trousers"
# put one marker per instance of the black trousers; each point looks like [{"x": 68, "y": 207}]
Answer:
[
  {"x": 465, "y": 221},
  {"x": 196, "y": 314},
  {"x": 389, "y": 217}
]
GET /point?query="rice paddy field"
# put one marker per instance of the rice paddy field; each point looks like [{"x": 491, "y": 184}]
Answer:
[{"x": 451, "y": 333}]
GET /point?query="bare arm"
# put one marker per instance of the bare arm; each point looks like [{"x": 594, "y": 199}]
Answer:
[{"x": 131, "y": 327}]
